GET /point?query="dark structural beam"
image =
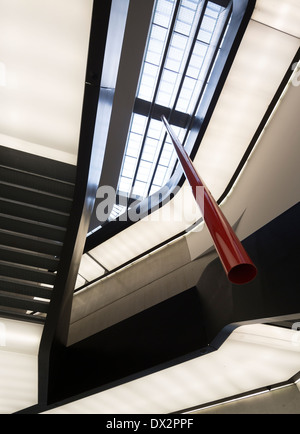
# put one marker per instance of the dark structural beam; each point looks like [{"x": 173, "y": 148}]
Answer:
[{"x": 90, "y": 156}]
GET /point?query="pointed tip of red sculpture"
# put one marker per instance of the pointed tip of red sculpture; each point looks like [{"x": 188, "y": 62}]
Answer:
[
  {"x": 237, "y": 264},
  {"x": 242, "y": 273}
]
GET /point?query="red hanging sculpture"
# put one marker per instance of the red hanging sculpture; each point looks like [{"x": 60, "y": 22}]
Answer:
[{"x": 236, "y": 262}]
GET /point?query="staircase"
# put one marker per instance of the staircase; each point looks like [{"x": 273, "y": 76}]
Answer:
[{"x": 36, "y": 196}]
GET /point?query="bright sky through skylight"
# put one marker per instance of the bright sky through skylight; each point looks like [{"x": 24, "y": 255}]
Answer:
[{"x": 183, "y": 40}]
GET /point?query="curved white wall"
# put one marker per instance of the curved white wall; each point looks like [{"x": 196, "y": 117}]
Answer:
[{"x": 19, "y": 347}]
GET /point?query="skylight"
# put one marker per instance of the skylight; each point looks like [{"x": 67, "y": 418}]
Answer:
[{"x": 183, "y": 44}]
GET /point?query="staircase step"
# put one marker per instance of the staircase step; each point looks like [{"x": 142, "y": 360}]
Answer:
[
  {"x": 23, "y": 302},
  {"x": 42, "y": 183},
  {"x": 24, "y": 257},
  {"x": 33, "y": 244},
  {"x": 24, "y": 272},
  {"x": 37, "y": 165},
  {"x": 35, "y": 213},
  {"x": 30, "y": 227},
  {"x": 18, "y": 286},
  {"x": 34, "y": 197},
  {"x": 21, "y": 316}
]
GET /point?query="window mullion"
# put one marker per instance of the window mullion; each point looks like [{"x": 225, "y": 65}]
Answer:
[
  {"x": 190, "y": 53},
  {"x": 175, "y": 12},
  {"x": 209, "y": 70}
]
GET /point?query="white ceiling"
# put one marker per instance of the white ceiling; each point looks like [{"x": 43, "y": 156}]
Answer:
[
  {"x": 283, "y": 16},
  {"x": 19, "y": 347},
  {"x": 43, "y": 55}
]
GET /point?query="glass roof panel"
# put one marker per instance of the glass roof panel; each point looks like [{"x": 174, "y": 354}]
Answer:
[
  {"x": 134, "y": 145},
  {"x": 139, "y": 189},
  {"x": 125, "y": 184},
  {"x": 183, "y": 41},
  {"x": 163, "y": 12},
  {"x": 117, "y": 210},
  {"x": 129, "y": 166}
]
